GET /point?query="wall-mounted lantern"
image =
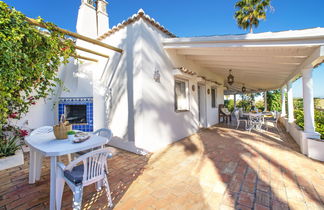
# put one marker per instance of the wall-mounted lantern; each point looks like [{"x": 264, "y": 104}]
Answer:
[
  {"x": 193, "y": 88},
  {"x": 156, "y": 75},
  {"x": 208, "y": 91},
  {"x": 243, "y": 89},
  {"x": 230, "y": 78}
]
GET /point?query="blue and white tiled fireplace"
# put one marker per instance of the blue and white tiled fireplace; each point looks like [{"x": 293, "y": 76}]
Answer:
[{"x": 78, "y": 111}]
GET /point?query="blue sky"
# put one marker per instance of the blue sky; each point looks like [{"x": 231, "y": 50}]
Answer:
[{"x": 191, "y": 18}]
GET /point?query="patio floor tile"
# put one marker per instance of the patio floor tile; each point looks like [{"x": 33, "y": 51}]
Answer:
[{"x": 216, "y": 168}]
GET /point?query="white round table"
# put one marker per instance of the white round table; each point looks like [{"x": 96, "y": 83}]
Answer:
[{"x": 47, "y": 145}]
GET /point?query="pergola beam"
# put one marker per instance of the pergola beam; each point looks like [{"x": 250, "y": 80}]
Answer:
[
  {"x": 86, "y": 58},
  {"x": 247, "y": 59},
  {"x": 91, "y": 51},
  {"x": 246, "y": 52},
  {"x": 75, "y": 35},
  {"x": 247, "y": 67}
]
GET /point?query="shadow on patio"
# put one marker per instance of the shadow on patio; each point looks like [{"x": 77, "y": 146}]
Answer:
[{"x": 217, "y": 168}]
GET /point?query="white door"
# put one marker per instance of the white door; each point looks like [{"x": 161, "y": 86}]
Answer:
[{"x": 202, "y": 105}]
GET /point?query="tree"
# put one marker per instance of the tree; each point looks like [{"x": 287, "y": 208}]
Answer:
[
  {"x": 274, "y": 100},
  {"x": 249, "y": 12}
]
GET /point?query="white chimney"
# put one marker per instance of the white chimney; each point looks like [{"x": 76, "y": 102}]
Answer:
[
  {"x": 102, "y": 17},
  {"x": 87, "y": 19}
]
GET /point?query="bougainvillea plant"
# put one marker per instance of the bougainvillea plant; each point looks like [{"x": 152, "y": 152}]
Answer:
[{"x": 29, "y": 61}]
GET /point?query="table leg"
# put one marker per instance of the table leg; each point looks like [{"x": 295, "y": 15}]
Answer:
[
  {"x": 32, "y": 166},
  {"x": 53, "y": 182}
]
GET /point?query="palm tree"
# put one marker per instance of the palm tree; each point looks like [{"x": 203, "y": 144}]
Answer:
[{"x": 250, "y": 12}]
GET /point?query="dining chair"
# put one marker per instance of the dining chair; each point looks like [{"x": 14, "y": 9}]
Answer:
[
  {"x": 255, "y": 121},
  {"x": 85, "y": 170},
  {"x": 238, "y": 119},
  {"x": 274, "y": 120},
  {"x": 103, "y": 132},
  {"x": 36, "y": 158}
]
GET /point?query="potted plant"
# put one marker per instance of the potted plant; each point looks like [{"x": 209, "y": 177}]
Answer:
[
  {"x": 11, "y": 154},
  {"x": 71, "y": 135}
]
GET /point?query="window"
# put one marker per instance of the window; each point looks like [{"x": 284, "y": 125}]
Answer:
[
  {"x": 213, "y": 98},
  {"x": 181, "y": 95}
]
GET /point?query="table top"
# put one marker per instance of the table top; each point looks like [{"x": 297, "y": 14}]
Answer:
[
  {"x": 48, "y": 145},
  {"x": 257, "y": 113}
]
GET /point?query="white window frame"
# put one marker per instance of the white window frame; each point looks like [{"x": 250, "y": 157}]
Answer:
[
  {"x": 211, "y": 97},
  {"x": 185, "y": 104}
]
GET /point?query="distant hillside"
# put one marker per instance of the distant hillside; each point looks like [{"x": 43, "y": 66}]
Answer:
[{"x": 320, "y": 103}]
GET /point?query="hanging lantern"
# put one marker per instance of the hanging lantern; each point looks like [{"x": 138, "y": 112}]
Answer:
[
  {"x": 243, "y": 89},
  {"x": 230, "y": 78}
]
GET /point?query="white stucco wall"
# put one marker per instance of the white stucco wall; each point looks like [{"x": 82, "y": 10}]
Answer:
[
  {"x": 158, "y": 124},
  {"x": 139, "y": 110}
]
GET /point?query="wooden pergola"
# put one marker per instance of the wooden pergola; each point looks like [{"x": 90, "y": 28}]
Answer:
[{"x": 81, "y": 37}]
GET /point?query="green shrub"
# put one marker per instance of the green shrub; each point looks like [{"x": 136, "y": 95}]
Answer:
[
  {"x": 229, "y": 104},
  {"x": 319, "y": 120}
]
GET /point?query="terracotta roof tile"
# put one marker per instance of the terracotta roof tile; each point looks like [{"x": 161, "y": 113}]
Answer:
[{"x": 134, "y": 18}]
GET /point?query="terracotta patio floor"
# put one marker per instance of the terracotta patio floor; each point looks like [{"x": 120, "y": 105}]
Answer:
[{"x": 217, "y": 168}]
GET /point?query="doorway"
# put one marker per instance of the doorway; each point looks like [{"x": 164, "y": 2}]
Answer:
[{"x": 202, "y": 105}]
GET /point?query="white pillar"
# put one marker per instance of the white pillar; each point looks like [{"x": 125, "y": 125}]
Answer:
[
  {"x": 290, "y": 102},
  {"x": 265, "y": 101},
  {"x": 283, "y": 102},
  {"x": 308, "y": 99},
  {"x": 234, "y": 101}
]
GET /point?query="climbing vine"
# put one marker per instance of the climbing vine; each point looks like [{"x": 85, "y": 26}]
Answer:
[{"x": 29, "y": 61}]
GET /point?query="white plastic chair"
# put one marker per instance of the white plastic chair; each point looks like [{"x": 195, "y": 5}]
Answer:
[
  {"x": 238, "y": 120},
  {"x": 83, "y": 171},
  {"x": 36, "y": 158},
  {"x": 104, "y": 132}
]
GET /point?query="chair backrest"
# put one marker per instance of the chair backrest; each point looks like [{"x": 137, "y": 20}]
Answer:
[
  {"x": 237, "y": 114},
  {"x": 277, "y": 115},
  {"x": 42, "y": 130},
  {"x": 255, "y": 117},
  {"x": 241, "y": 112},
  {"x": 93, "y": 165},
  {"x": 104, "y": 132}
]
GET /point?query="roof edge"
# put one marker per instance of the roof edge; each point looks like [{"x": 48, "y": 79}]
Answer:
[{"x": 140, "y": 14}]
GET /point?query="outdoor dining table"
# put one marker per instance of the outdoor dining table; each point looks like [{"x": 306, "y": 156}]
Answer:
[
  {"x": 49, "y": 146},
  {"x": 255, "y": 119}
]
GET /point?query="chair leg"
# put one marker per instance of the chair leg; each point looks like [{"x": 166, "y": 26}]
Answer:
[
  {"x": 99, "y": 185},
  {"x": 69, "y": 157},
  {"x": 39, "y": 164},
  {"x": 77, "y": 197},
  {"x": 110, "y": 203},
  {"x": 238, "y": 124}
]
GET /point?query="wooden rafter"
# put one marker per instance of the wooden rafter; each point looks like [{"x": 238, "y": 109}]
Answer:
[
  {"x": 75, "y": 35},
  {"x": 86, "y": 58},
  {"x": 91, "y": 51}
]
